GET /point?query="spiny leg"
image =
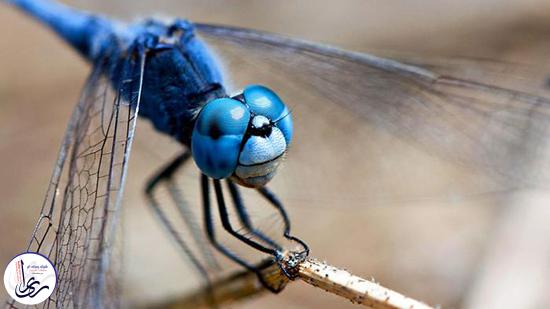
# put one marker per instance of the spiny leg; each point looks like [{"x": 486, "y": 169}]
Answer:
[
  {"x": 272, "y": 198},
  {"x": 245, "y": 219},
  {"x": 209, "y": 226},
  {"x": 166, "y": 175},
  {"x": 225, "y": 221}
]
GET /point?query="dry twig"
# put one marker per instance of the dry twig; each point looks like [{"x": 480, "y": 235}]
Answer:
[{"x": 319, "y": 274}]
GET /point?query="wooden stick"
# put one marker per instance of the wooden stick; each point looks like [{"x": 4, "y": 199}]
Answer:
[
  {"x": 244, "y": 285},
  {"x": 356, "y": 289}
]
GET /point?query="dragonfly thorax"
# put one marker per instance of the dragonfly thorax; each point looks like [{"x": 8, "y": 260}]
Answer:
[{"x": 180, "y": 77}]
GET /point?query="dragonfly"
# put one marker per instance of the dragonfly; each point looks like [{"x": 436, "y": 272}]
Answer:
[{"x": 164, "y": 72}]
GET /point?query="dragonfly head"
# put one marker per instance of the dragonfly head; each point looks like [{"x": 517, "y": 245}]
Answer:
[{"x": 244, "y": 137}]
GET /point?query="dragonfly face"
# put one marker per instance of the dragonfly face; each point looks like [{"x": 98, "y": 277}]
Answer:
[{"x": 244, "y": 137}]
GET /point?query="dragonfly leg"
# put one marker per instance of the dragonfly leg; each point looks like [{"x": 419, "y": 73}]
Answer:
[
  {"x": 165, "y": 175},
  {"x": 207, "y": 207},
  {"x": 245, "y": 219},
  {"x": 272, "y": 198},
  {"x": 226, "y": 223}
]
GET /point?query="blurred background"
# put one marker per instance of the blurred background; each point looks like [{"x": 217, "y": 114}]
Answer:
[{"x": 472, "y": 253}]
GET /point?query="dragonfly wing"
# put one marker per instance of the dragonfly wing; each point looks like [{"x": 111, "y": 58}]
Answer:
[
  {"x": 461, "y": 112},
  {"x": 76, "y": 228}
]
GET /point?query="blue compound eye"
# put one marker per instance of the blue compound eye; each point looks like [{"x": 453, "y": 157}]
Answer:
[
  {"x": 262, "y": 101},
  {"x": 217, "y": 136}
]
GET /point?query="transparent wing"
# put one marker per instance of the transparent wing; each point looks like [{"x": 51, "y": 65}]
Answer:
[
  {"x": 467, "y": 116},
  {"x": 76, "y": 228}
]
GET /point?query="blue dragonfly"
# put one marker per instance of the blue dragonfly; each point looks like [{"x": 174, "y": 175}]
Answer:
[{"x": 163, "y": 72}]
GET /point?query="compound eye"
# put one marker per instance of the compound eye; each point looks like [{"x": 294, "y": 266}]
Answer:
[
  {"x": 263, "y": 101},
  {"x": 217, "y": 136}
]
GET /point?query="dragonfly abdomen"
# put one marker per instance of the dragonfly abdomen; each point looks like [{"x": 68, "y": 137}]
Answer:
[{"x": 87, "y": 33}]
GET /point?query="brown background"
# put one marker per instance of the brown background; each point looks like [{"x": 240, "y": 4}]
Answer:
[{"x": 418, "y": 247}]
